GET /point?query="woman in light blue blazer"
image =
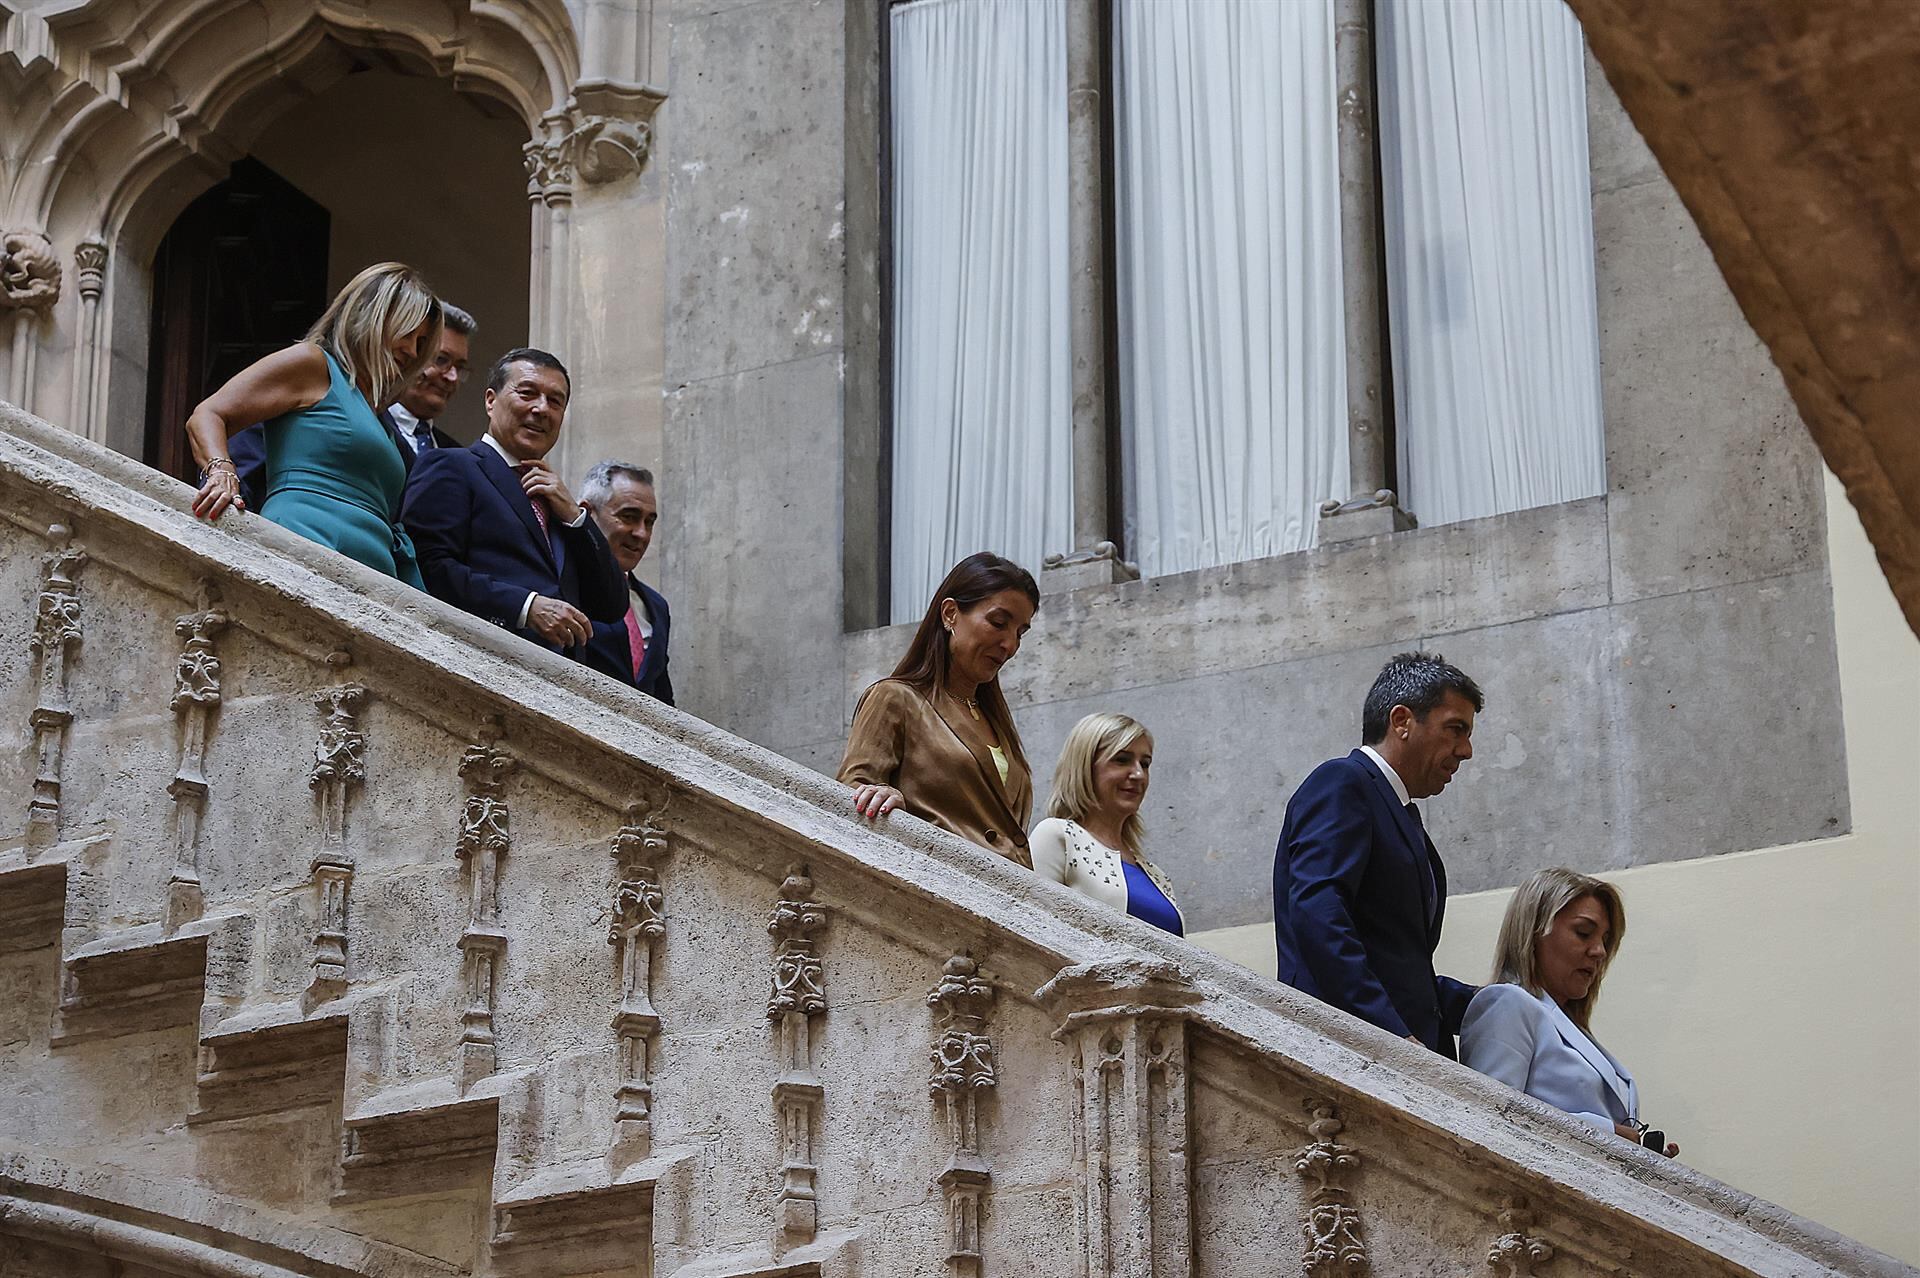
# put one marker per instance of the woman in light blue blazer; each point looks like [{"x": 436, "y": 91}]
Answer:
[{"x": 1530, "y": 1029}]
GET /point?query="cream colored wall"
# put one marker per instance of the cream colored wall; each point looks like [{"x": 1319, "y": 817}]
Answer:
[{"x": 1769, "y": 1001}]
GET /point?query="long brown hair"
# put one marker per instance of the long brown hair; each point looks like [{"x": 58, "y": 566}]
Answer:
[{"x": 928, "y": 657}]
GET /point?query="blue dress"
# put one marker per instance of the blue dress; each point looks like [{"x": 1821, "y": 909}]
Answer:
[
  {"x": 1147, "y": 902},
  {"x": 334, "y": 475}
]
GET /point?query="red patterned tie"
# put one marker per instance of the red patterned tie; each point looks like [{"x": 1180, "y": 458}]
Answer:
[{"x": 636, "y": 642}]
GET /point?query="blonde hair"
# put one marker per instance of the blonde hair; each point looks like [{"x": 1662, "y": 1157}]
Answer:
[
  {"x": 378, "y": 307},
  {"x": 1094, "y": 739},
  {"x": 1530, "y": 914}
]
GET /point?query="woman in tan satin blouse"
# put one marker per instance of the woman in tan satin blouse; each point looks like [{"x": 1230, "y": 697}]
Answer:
[{"x": 936, "y": 737}]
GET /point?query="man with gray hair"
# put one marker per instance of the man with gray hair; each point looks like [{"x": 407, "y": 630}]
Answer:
[
  {"x": 621, "y": 498},
  {"x": 1359, "y": 891}
]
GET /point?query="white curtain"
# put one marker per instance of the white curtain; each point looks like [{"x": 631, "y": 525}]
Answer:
[
  {"x": 1232, "y": 363},
  {"x": 982, "y": 395},
  {"x": 1489, "y": 229}
]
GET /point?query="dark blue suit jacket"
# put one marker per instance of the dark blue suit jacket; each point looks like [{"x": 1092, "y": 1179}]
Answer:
[
  {"x": 1358, "y": 897},
  {"x": 480, "y": 547},
  {"x": 248, "y": 448},
  {"x": 609, "y": 652}
]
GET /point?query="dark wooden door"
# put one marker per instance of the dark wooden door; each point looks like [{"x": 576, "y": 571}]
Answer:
[{"x": 242, "y": 273}]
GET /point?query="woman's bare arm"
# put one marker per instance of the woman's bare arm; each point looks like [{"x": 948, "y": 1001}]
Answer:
[{"x": 286, "y": 380}]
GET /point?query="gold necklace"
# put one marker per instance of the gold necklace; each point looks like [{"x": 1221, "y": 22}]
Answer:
[{"x": 973, "y": 708}]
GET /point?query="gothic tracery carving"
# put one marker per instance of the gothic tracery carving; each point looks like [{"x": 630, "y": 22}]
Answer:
[
  {"x": 485, "y": 838},
  {"x": 1516, "y": 1252},
  {"x": 196, "y": 697},
  {"x": 339, "y": 767},
  {"x": 639, "y": 919},
  {"x": 1335, "y": 1244},
  {"x": 798, "y": 992},
  {"x": 56, "y": 630},
  {"x": 963, "y": 1070}
]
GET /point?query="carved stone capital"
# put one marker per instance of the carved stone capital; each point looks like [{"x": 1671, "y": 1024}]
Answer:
[
  {"x": 607, "y": 148},
  {"x": 798, "y": 983},
  {"x": 90, "y": 268},
  {"x": 339, "y": 757},
  {"x": 29, "y": 271}
]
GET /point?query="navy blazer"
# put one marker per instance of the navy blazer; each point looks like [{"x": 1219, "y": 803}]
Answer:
[
  {"x": 480, "y": 546},
  {"x": 1358, "y": 897},
  {"x": 610, "y": 652}
]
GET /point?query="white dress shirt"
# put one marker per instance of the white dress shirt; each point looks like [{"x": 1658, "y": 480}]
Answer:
[
  {"x": 409, "y": 426},
  {"x": 1393, "y": 778},
  {"x": 575, "y": 522}
]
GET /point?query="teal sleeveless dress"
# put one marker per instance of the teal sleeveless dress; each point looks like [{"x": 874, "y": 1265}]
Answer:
[{"x": 334, "y": 476}]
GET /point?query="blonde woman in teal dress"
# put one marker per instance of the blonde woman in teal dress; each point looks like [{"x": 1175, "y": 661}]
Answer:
[{"x": 334, "y": 471}]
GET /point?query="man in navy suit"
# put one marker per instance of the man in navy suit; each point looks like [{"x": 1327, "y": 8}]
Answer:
[
  {"x": 409, "y": 419},
  {"x": 634, "y": 649},
  {"x": 495, "y": 529},
  {"x": 1358, "y": 889}
]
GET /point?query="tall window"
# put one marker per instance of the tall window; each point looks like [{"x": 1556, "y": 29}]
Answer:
[
  {"x": 982, "y": 400},
  {"x": 1489, "y": 228},
  {"x": 1229, "y": 364},
  {"x": 1232, "y": 369}
]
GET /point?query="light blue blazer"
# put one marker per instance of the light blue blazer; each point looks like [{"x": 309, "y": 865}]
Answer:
[{"x": 1528, "y": 1043}]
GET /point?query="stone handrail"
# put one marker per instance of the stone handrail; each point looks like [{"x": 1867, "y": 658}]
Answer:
[{"x": 467, "y": 928}]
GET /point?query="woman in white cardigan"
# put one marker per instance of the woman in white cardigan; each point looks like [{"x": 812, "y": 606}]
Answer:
[
  {"x": 1091, "y": 838},
  {"x": 1530, "y": 1029}
]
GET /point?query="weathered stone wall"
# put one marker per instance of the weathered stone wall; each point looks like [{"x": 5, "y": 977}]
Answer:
[
  {"x": 307, "y": 979},
  {"x": 1612, "y": 635}
]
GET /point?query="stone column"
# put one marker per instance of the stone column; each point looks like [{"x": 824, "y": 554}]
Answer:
[
  {"x": 1126, "y": 1023},
  {"x": 29, "y": 287},
  {"x": 1370, "y": 506},
  {"x": 90, "y": 273}
]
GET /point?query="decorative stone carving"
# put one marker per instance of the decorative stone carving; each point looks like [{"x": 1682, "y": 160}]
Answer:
[
  {"x": 1125, "y": 1021},
  {"x": 798, "y": 993},
  {"x": 29, "y": 271},
  {"x": 639, "y": 919},
  {"x": 609, "y": 148},
  {"x": 595, "y": 148},
  {"x": 1515, "y": 1253},
  {"x": 1334, "y": 1241},
  {"x": 56, "y": 630},
  {"x": 90, "y": 268},
  {"x": 196, "y": 699},
  {"x": 339, "y": 767},
  {"x": 485, "y": 838},
  {"x": 963, "y": 1070}
]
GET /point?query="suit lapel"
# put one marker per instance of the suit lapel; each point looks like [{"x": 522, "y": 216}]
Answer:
[
  {"x": 495, "y": 468},
  {"x": 1618, "y": 1081},
  {"x": 1411, "y": 833},
  {"x": 982, "y": 760}
]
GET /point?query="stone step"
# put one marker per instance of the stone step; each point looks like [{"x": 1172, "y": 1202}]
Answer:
[
  {"x": 419, "y": 1139},
  {"x": 582, "y": 1218},
  {"x": 269, "y": 1059},
  {"x": 33, "y": 903},
  {"x": 133, "y": 982}
]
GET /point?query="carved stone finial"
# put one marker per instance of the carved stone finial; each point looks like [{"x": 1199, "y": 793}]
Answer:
[
  {"x": 797, "y": 993},
  {"x": 798, "y": 983},
  {"x": 29, "y": 271},
  {"x": 90, "y": 267},
  {"x": 56, "y": 629},
  {"x": 1517, "y": 1252},
  {"x": 639, "y": 919},
  {"x": 1334, "y": 1243}
]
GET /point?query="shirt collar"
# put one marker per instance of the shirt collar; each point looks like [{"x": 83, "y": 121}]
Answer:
[
  {"x": 494, "y": 444},
  {"x": 1393, "y": 778},
  {"x": 402, "y": 418}
]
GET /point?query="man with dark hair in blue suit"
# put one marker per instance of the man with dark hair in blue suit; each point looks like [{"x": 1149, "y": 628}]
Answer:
[
  {"x": 621, "y": 499},
  {"x": 495, "y": 529},
  {"x": 1358, "y": 889}
]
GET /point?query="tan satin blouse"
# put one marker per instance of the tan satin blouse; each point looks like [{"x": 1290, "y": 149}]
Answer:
[{"x": 929, "y": 749}]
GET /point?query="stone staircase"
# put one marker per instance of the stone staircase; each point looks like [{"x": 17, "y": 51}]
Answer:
[{"x": 344, "y": 934}]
